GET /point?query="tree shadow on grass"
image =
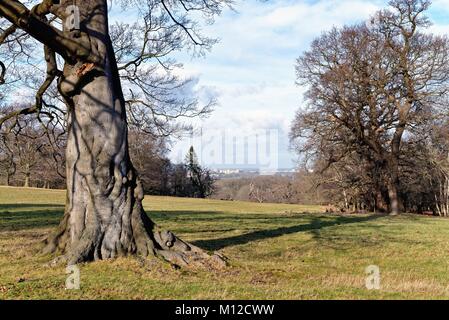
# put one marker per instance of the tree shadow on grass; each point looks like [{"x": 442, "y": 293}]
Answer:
[
  {"x": 14, "y": 206},
  {"x": 15, "y": 217},
  {"x": 222, "y": 216},
  {"x": 314, "y": 226},
  {"x": 22, "y": 217}
]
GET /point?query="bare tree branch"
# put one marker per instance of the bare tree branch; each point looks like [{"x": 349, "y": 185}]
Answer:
[{"x": 60, "y": 42}]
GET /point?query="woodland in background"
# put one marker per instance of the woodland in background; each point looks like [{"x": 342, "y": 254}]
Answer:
[
  {"x": 300, "y": 189},
  {"x": 375, "y": 127},
  {"x": 29, "y": 158}
]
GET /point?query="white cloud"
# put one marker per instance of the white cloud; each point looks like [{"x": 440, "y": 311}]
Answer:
[
  {"x": 439, "y": 29},
  {"x": 441, "y": 4},
  {"x": 252, "y": 67}
]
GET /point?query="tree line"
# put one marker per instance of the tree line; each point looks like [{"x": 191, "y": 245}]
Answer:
[{"x": 29, "y": 157}]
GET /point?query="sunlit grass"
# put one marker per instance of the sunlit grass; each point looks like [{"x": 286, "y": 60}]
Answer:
[{"x": 276, "y": 252}]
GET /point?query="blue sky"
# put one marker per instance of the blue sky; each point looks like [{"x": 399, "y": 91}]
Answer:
[
  {"x": 251, "y": 72},
  {"x": 251, "y": 69}
]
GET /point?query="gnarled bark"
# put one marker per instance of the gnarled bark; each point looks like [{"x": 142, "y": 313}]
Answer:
[{"x": 104, "y": 217}]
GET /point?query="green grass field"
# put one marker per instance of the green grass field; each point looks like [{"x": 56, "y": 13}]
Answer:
[{"x": 275, "y": 251}]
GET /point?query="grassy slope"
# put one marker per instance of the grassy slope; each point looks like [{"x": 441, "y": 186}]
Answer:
[{"x": 276, "y": 252}]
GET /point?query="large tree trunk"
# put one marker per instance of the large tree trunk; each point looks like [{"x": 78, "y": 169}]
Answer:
[{"x": 104, "y": 217}]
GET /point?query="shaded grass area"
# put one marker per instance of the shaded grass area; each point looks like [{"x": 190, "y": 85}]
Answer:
[
  {"x": 313, "y": 226},
  {"x": 276, "y": 252},
  {"x": 15, "y": 217}
]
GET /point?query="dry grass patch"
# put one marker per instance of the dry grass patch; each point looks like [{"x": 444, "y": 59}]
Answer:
[{"x": 276, "y": 252}]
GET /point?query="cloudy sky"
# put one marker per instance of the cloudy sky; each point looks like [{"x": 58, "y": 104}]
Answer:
[{"x": 251, "y": 71}]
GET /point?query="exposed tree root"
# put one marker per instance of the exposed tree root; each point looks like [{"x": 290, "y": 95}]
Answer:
[
  {"x": 147, "y": 242},
  {"x": 183, "y": 254}
]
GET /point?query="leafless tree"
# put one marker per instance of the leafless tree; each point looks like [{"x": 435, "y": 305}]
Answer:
[
  {"x": 106, "y": 76},
  {"x": 369, "y": 86}
]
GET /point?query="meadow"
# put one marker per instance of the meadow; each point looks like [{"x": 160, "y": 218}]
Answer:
[{"x": 275, "y": 252}]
